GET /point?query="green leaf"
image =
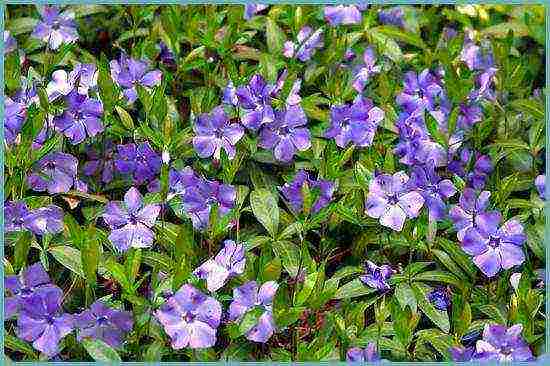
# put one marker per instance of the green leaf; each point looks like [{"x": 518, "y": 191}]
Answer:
[
  {"x": 125, "y": 118},
  {"x": 399, "y": 34},
  {"x": 354, "y": 288},
  {"x": 69, "y": 257},
  {"x": 438, "y": 317},
  {"x": 405, "y": 296},
  {"x": 22, "y": 247},
  {"x": 274, "y": 36},
  {"x": 100, "y": 351},
  {"x": 439, "y": 276},
  {"x": 289, "y": 254},
  {"x": 250, "y": 319},
  {"x": 21, "y": 25},
  {"x": 265, "y": 208}
]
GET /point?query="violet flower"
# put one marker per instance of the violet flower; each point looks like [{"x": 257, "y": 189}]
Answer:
[
  {"x": 439, "y": 298},
  {"x": 214, "y": 132},
  {"x": 54, "y": 173},
  {"x": 167, "y": 56},
  {"x": 307, "y": 43},
  {"x": 391, "y": 200},
  {"x": 462, "y": 354},
  {"x": 141, "y": 161},
  {"x": 363, "y": 72},
  {"x": 420, "y": 92},
  {"x": 81, "y": 119},
  {"x": 32, "y": 279},
  {"x": 82, "y": 78},
  {"x": 494, "y": 248},
  {"x": 101, "y": 162},
  {"x": 392, "y": 16},
  {"x": 103, "y": 323},
  {"x": 470, "y": 205},
  {"x": 503, "y": 344},
  {"x": 229, "y": 262},
  {"x": 40, "y": 221},
  {"x": 480, "y": 173},
  {"x": 131, "y": 221},
  {"x": 433, "y": 189},
  {"x": 248, "y": 297},
  {"x": 190, "y": 318},
  {"x": 368, "y": 354},
  {"x": 476, "y": 57},
  {"x": 251, "y": 9},
  {"x": 342, "y": 14},
  {"x": 14, "y": 118},
  {"x": 55, "y": 28},
  {"x": 355, "y": 123},
  {"x": 470, "y": 113},
  {"x": 540, "y": 185},
  {"x": 179, "y": 181},
  {"x": 293, "y": 192},
  {"x": 10, "y": 44},
  {"x": 377, "y": 276},
  {"x": 255, "y": 102},
  {"x": 42, "y": 322},
  {"x": 128, "y": 73},
  {"x": 230, "y": 95}
]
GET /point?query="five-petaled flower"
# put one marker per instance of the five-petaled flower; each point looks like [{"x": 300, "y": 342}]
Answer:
[
  {"x": 56, "y": 28},
  {"x": 103, "y": 323},
  {"x": 229, "y": 262}
]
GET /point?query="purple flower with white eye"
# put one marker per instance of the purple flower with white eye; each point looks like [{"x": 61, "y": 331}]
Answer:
[
  {"x": 494, "y": 248},
  {"x": 128, "y": 73},
  {"x": 10, "y": 44},
  {"x": 293, "y": 192},
  {"x": 14, "y": 118},
  {"x": 249, "y": 296},
  {"x": 101, "y": 162},
  {"x": 254, "y": 100},
  {"x": 215, "y": 132},
  {"x": 355, "y": 123},
  {"x": 81, "y": 119},
  {"x": 32, "y": 279},
  {"x": 287, "y": 134},
  {"x": 363, "y": 72},
  {"x": 377, "y": 276},
  {"x": 368, "y": 354},
  {"x": 433, "y": 189},
  {"x": 393, "y": 16},
  {"x": 199, "y": 199},
  {"x": 392, "y": 201},
  {"x": 342, "y": 14},
  {"x": 252, "y": 9},
  {"x": 540, "y": 185},
  {"x": 141, "y": 161},
  {"x": 307, "y": 43},
  {"x": 131, "y": 221},
  {"x": 190, "y": 318},
  {"x": 54, "y": 173},
  {"x": 439, "y": 298},
  {"x": 503, "y": 344},
  {"x": 40, "y": 221},
  {"x": 229, "y": 262},
  {"x": 103, "y": 323},
  {"x": 470, "y": 205},
  {"x": 42, "y": 322},
  {"x": 420, "y": 93},
  {"x": 82, "y": 78},
  {"x": 56, "y": 27}
]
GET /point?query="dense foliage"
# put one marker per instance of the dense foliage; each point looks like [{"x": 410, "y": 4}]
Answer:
[{"x": 274, "y": 182}]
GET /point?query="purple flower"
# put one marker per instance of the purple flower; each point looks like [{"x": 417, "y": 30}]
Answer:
[
  {"x": 229, "y": 262},
  {"x": 101, "y": 162},
  {"x": 470, "y": 205},
  {"x": 141, "y": 161},
  {"x": 494, "y": 248},
  {"x": 482, "y": 168},
  {"x": 81, "y": 119},
  {"x": 190, "y": 318},
  {"x": 476, "y": 57},
  {"x": 54, "y": 173},
  {"x": 391, "y": 200},
  {"x": 31, "y": 280},
  {"x": 131, "y": 222},
  {"x": 103, "y": 323},
  {"x": 393, "y": 16},
  {"x": 293, "y": 192},
  {"x": 368, "y": 354},
  {"x": 255, "y": 102},
  {"x": 83, "y": 77},
  {"x": 433, "y": 189},
  {"x": 41, "y": 321},
  {"x": 252, "y": 9},
  {"x": 377, "y": 276},
  {"x": 15, "y": 115},
  {"x": 230, "y": 95},
  {"x": 248, "y": 297},
  {"x": 342, "y": 14},
  {"x": 166, "y": 55},
  {"x": 179, "y": 181},
  {"x": 355, "y": 123},
  {"x": 56, "y": 28},
  {"x": 10, "y": 44},
  {"x": 503, "y": 344},
  {"x": 484, "y": 85},
  {"x": 307, "y": 43},
  {"x": 420, "y": 93},
  {"x": 462, "y": 354},
  {"x": 128, "y": 73},
  {"x": 541, "y": 185},
  {"x": 214, "y": 132},
  {"x": 363, "y": 72},
  {"x": 45, "y": 220},
  {"x": 470, "y": 113},
  {"x": 439, "y": 298}
]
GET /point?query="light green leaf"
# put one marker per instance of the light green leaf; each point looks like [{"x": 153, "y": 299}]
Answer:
[
  {"x": 354, "y": 288},
  {"x": 100, "y": 351},
  {"x": 69, "y": 257},
  {"x": 438, "y": 317},
  {"x": 265, "y": 208}
]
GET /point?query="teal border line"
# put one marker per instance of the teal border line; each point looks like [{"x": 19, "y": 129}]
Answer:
[{"x": 546, "y": 3}]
